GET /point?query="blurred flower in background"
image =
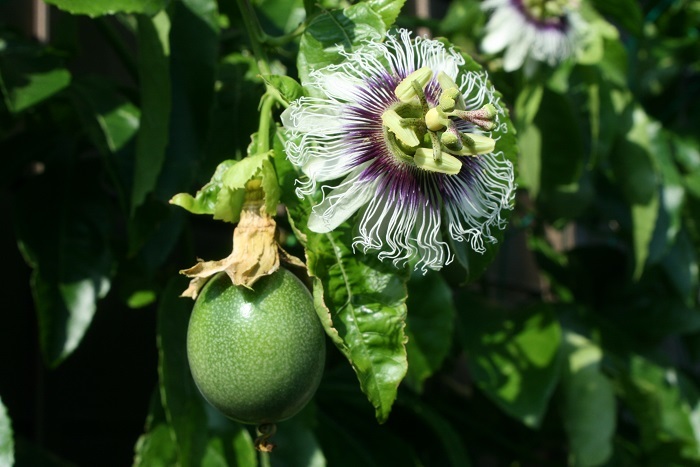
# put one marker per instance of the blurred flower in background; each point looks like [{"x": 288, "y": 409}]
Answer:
[{"x": 532, "y": 31}]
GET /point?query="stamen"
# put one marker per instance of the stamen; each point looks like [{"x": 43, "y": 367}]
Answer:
[
  {"x": 406, "y": 91},
  {"x": 447, "y": 164},
  {"x": 394, "y": 123}
]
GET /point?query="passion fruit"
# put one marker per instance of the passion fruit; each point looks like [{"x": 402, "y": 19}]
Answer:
[{"x": 256, "y": 355}]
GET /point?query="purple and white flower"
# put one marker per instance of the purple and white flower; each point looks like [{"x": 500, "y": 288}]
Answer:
[
  {"x": 404, "y": 135},
  {"x": 531, "y": 31}
]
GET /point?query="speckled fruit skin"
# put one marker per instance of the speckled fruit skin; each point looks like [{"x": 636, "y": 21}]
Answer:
[{"x": 256, "y": 355}]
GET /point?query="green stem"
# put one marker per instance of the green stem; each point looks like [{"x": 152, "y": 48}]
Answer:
[
  {"x": 264, "y": 459},
  {"x": 256, "y": 35},
  {"x": 266, "y": 103}
]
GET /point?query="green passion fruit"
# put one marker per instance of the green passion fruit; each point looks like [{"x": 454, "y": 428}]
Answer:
[{"x": 256, "y": 355}]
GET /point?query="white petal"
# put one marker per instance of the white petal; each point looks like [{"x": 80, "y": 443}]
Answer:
[{"x": 341, "y": 203}]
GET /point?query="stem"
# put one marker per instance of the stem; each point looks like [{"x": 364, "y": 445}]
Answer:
[
  {"x": 256, "y": 35},
  {"x": 114, "y": 39},
  {"x": 266, "y": 103},
  {"x": 264, "y": 459}
]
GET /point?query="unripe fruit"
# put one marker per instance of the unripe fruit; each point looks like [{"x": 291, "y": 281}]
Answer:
[{"x": 256, "y": 355}]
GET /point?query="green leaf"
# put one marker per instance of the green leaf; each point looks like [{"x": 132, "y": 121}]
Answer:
[
  {"x": 108, "y": 7},
  {"x": 288, "y": 88},
  {"x": 116, "y": 118},
  {"x": 589, "y": 409},
  {"x": 666, "y": 406},
  {"x": 154, "y": 75},
  {"x": 179, "y": 394},
  {"x": 530, "y": 162},
  {"x": 332, "y": 32},
  {"x": 429, "y": 326},
  {"x": 156, "y": 447},
  {"x": 360, "y": 300},
  {"x": 29, "y": 74},
  {"x": 66, "y": 241},
  {"x": 527, "y": 104},
  {"x": 7, "y": 445},
  {"x": 681, "y": 266},
  {"x": 634, "y": 169},
  {"x": 205, "y": 200},
  {"x": 295, "y": 442},
  {"x": 515, "y": 360},
  {"x": 388, "y": 9}
]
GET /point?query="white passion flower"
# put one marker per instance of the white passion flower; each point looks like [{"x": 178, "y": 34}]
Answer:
[
  {"x": 532, "y": 31},
  {"x": 403, "y": 133}
]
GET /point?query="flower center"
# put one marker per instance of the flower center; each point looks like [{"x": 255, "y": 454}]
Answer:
[
  {"x": 427, "y": 136},
  {"x": 550, "y": 13}
]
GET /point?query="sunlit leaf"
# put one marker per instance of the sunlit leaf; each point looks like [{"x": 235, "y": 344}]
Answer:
[
  {"x": 332, "y": 32},
  {"x": 589, "y": 409},
  {"x": 515, "y": 360},
  {"x": 666, "y": 406},
  {"x": 388, "y": 9},
  {"x": 66, "y": 242},
  {"x": 7, "y": 444},
  {"x": 29, "y": 74},
  {"x": 108, "y": 7},
  {"x": 154, "y": 75}
]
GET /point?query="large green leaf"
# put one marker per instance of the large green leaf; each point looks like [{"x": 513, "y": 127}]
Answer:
[
  {"x": 66, "y": 241},
  {"x": 108, "y": 7},
  {"x": 588, "y": 409},
  {"x": 360, "y": 300},
  {"x": 332, "y": 32},
  {"x": 29, "y": 74},
  {"x": 514, "y": 359},
  {"x": 154, "y": 76},
  {"x": 179, "y": 394},
  {"x": 429, "y": 326},
  {"x": 7, "y": 444}
]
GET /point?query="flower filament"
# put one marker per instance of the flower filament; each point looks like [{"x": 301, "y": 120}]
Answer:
[{"x": 428, "y": 136}]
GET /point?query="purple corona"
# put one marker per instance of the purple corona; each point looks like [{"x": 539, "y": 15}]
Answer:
[
  {"x": 402, "y": 134},
  {"x": 532, "y": 31}
]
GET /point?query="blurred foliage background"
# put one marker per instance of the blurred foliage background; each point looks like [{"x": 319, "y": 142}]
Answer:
[{"x": 579, "y": 345}]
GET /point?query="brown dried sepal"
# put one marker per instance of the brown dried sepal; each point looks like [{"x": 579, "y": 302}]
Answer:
[{"x": 255, "y": 252}]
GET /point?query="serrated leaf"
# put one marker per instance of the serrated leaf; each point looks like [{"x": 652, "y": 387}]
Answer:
[
  {"x": 108, "y": 7},
  {"x": 388, "y": 9},
  {"x": 515, "y": 360},
  {"x": 360, "y": 300},
  {"x": 154, "y": 77},
  {"x": 204, "y": 201},
  {"x": 29, "y": 74},
  {"x": 589, "y": 408},
  {"x": 429, "y": 326},
  {"x": 332, "y": 32},
  {"x": 179, "y": 394},
  {"x": 7, "y": 444}
]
